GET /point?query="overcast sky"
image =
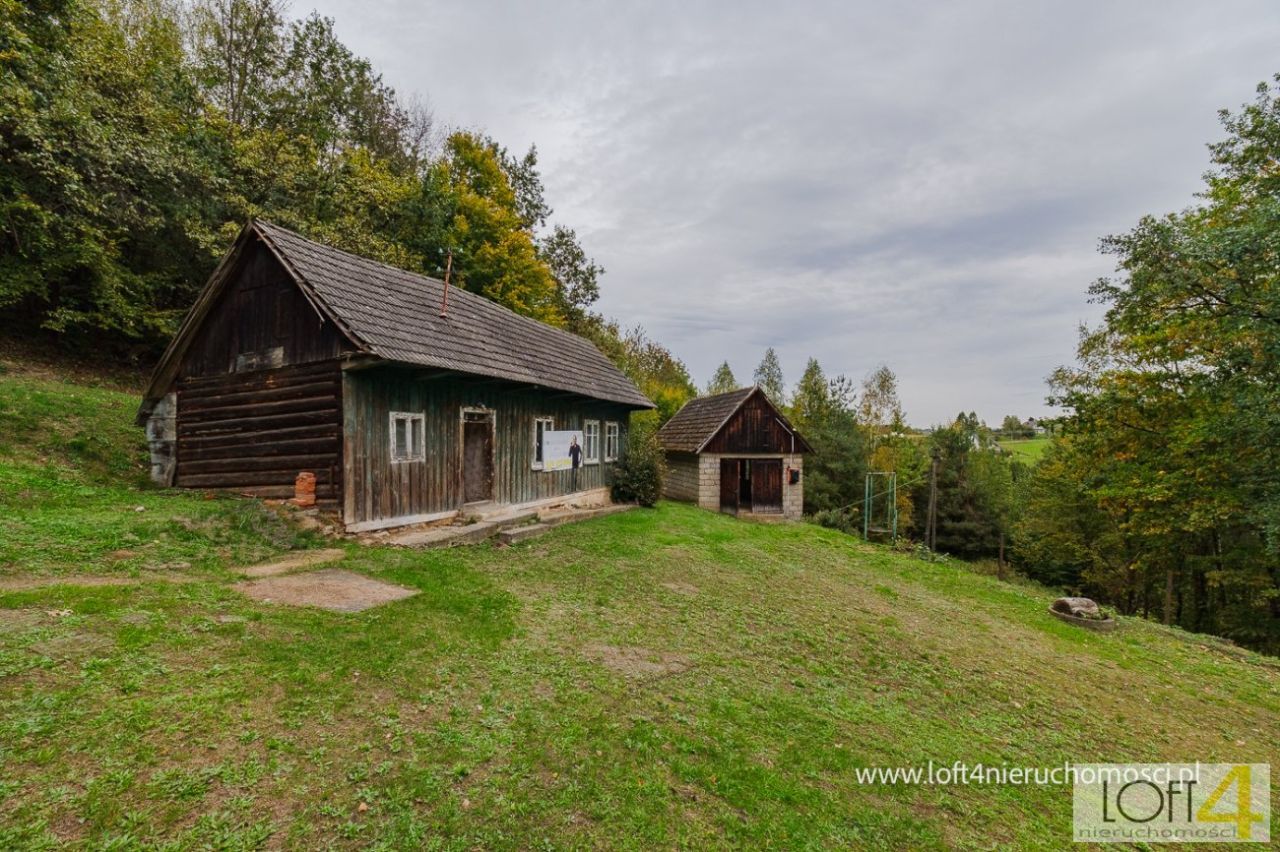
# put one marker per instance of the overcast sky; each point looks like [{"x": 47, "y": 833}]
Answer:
[{"x": 916, "y": 184}]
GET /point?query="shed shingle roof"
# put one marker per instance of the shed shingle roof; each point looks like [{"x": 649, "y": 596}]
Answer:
[
  {"x": 396, "y": 315},
  {"x": 699, "y": 420}
]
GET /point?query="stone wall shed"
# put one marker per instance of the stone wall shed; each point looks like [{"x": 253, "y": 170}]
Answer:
[{"x": 735, "y": 452}]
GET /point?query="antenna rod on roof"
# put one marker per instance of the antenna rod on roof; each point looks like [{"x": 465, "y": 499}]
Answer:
[{"x": 448, "y": 267}]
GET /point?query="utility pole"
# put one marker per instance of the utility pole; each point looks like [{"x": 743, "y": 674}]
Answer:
[{"x": 931, "y": 521}]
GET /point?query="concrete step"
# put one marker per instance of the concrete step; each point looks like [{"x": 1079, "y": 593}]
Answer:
[
  {"x": 515, "y": 535},
  {"x": 510, "y": 527},
  {"x": 445, "y": 536},
  {"x": 512, "y": 519},
  {"x": 555, "y": 517}
]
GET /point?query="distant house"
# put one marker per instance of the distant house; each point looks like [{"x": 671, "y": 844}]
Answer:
[
  {"x": 734, "y": 452},
  {"x": 298, "y": 358}
]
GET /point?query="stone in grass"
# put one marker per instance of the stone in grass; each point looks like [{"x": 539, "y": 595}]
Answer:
[
  {"x": 1079, "y": 607},
  {"x": 1082, "y": 612}
]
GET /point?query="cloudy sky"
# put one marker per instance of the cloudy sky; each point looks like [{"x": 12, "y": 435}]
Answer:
[{"x": 916, "y": 184}]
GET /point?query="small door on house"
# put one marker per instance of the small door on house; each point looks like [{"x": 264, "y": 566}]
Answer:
[
  {"x": 729, "y": 485},
  {"x": 477, "y": 456},
  {"x": 766, "y": 485}
]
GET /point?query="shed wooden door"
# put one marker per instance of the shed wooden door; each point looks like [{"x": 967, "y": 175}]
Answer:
[
  {"x": 766, "y": 485},
  {"x": 729, "y": 484},
  {"x": 477, "y": 459}
]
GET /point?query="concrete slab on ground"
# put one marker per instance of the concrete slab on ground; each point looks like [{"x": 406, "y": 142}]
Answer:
[
  {"x": 330, "y": 588},
  {"x": 293, "y": 562}
]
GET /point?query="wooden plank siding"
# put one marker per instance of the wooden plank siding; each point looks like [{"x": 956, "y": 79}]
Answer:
[
  {"x": 255, "y": 432},
  {"x": 754, "y": 428},
  {"x": 377, "y": 488},
  {"x": 263, "y": 310}
]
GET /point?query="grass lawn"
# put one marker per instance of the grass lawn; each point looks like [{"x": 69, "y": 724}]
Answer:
[
  {"x": 658, "y": 678},
  {"x": 1027, "y": 450}
]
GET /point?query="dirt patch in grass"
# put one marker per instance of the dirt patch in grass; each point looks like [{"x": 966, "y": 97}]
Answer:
[
  {"x": 18, "y": 620},
  {"x": 331, "y": 589},
  {"x": 681, "y": 588},
  {"x": 293, "y": 562},
  {"x": 27, "y": 584},
  {"x": 634, "y": 661},
  {"x": 72, "y": 646}
]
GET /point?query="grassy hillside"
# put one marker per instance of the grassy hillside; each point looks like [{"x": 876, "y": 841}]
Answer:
[{"x": 658, "y": 678}]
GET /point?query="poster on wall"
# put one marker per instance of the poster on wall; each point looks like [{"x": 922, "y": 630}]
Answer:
[{"x": 562, "y": 450}]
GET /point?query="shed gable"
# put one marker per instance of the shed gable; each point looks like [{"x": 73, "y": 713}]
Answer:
[
  {"x": 756, "y": 427},
  {"x": 741, "y": 421}
]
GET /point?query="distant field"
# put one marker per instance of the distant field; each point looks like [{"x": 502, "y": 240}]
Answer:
[{"x": 1026, "y": 449}]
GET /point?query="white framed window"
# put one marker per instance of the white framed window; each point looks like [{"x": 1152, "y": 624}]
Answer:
[
  {"x": 611, "y": 442},
  {"x": 540, "y": 426},
  {"x": 591, "y": 442},
  {"x": 406, "y": 437}
]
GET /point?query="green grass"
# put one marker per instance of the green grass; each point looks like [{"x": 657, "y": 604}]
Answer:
[
  {"x": 665, "y": 678},
  {"x": 1027, "y": 450}
]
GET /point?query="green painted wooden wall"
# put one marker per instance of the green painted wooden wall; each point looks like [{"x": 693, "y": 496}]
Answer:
[{"x": 376, "y": 488}]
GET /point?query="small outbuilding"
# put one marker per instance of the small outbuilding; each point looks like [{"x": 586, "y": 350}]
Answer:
[
  {"x": 735, "y": 452},
  {"x": 391, "y": 397}
]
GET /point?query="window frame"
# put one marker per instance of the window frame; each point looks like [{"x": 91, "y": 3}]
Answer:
[
  {"x": 612, "y": 426},
  {"x": 586, "y": 442},
  {"x": 537, "y": 463},
  {"x": 416, "y": 437}
]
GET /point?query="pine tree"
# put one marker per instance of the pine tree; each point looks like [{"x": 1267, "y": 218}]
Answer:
[
  {"x": 723, "y": 381},
  {"x": 811, "y": 401},
  {"x": 769, "y": 377}
]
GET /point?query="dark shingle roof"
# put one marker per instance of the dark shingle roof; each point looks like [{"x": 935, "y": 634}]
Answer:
[
  {"x": 699, "y": 420},
  {"x": 395, "y": 314}
]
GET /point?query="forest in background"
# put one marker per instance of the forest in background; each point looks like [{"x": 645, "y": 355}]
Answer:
[{"x": 138, "y": 136}]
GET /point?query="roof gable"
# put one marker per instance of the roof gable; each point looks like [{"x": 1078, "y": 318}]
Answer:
[
  {"x": 395, "y": 315},
  {"x": 701, "y": 420}
]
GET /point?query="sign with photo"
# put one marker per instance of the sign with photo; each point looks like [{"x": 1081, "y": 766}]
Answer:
[{"x": 562, "y": 450}]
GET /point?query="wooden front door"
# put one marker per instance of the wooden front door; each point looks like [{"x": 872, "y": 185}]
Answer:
[
  {"x": 728, "y": 485},
  {"x": 766, "y": 485},
  {"x": 477, "y": 456}
]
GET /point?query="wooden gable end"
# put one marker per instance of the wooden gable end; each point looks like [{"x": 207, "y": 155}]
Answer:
[
  {"x": 261, "y": 320},
  {"x": 755, "y": 427}
]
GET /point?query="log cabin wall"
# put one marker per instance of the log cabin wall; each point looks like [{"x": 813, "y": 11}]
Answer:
[
  {"x": 378, "y": 489},
  {"x": 259, "y": 390},
  {"x": 255, "y": 432}
]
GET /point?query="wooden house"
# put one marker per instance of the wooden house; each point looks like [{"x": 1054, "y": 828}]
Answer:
[
  {"x": 735, "y": 452},
  {"x": 299, "y": 358}
]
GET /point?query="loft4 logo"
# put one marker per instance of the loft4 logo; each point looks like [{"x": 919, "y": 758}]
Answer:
[
  {"x": 1172, "y": 803},
  {"x": 1243, "y": 817}
]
